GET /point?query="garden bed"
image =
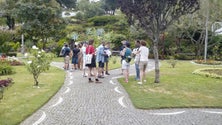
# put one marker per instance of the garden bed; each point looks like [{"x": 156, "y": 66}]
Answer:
[
  {"x": 208, "y": 62},
  {"x": 209, "y": 72}
]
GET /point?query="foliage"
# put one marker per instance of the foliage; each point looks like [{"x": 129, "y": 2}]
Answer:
[
  {"x": 67, "y": 3},
  {"x": 103, "y": 20},
  {"x": 38, "y": 64},
  {"x": 156, "y": 16},
  {"x": 41, "y": 20},
  {"x": 208, "y": 62},
  {"x": 4, "y": 83},
  {"x": 5, "y": 68},
  {"x": 210, "y": 72},
  {"x": 5, "y": 41},
  {"x": 172, "y": 62},
  {"x": 116, "y": 40},
  {"x": 90, "y": 10},
  {"x": 109, "y": 6}
]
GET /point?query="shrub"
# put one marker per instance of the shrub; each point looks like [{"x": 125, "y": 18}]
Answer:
[
  {"x": 172, "y": 62},
  {"x": 12, "y": 54},
  {"x": 5, "y": 68},
  {"x": 184, "y": 56},
  {"x": 39, "y": 63},
  {"x": 4, "y": 83},
  {"x": 103, "y": 20}
]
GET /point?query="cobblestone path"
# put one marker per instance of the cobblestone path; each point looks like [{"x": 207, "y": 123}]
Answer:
[{"x": 81, "y": 103}]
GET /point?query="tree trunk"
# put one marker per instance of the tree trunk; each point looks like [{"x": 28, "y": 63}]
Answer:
[
  {"x": 36, "y": 80},
  {"x": 156, "y": 57}
]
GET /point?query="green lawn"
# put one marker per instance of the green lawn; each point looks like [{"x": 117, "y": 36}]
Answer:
[
  {"x": 21, "y": 99},
  {"x": 179, "y": 88}
]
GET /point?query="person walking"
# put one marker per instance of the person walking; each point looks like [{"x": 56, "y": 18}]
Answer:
[
  {"x": 144, "y": 53},
  {"x": 80, "y": 56},
  {"x": 126, "y": 53},
  {"x": 137, "y": 59},
  {"x": 85, "y": 44},
  {"x": 92, "y": 66},
  {"x": 66, "y": 57},
  {"x": 106, "y": 60}
]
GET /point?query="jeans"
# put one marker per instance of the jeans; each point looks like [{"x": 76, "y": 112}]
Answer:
[{"x": 137, "y": 71}]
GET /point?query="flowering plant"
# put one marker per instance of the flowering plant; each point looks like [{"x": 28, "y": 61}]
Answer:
[{"x": 40, "y": 62}]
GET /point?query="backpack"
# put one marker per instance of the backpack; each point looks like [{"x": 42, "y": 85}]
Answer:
[
  {"x": 127, "y": 55},
  {"x": 128, "y": 59}
]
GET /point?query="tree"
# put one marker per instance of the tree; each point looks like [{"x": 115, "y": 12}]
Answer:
[
  {"x": 155, "y": 16},
  {"x": 7, "y": 9},
  {"x": 41, "y": 19},
  {"x": 109, "y": 6},
  {"x": 67, "y": 3},
  {"x": 90, "y": 9}
]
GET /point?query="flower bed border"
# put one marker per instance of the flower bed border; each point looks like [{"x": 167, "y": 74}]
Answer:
[{"x": 212, "y": 75}]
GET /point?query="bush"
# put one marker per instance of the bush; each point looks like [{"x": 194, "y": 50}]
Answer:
[
  {"x": 5, "y": 67},
  {"x": 3, "y": 84},
  {"x": 11, "y": 54},
  {"x": 103, "y": 20},
  {"x": 184, "y": 56}
]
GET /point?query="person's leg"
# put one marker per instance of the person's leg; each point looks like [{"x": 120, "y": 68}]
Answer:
[
  {"x": 144, "y": 71},
  {"x": 107, "y": 68},
  {"x": 137, "y": 71},
  {"x": 89, "y": 76},
  {"x": 141, "y": 73}
]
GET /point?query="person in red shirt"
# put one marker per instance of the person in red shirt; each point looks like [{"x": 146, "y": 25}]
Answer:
[{"x": 92, "y": 67}]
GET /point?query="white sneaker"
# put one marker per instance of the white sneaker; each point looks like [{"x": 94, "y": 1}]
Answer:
[
  {"x": 140, "y": 83},
  {"x": 144, "y": 80}
]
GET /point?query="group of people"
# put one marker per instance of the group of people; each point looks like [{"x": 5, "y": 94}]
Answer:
[
  {"x": 140, "y": 54},
  {"x": 100, "y": 56}
]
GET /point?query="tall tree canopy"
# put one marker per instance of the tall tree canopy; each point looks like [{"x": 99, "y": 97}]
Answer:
[
  {"x": 109, "y": 6},
  {"x": 155, "y": 16},
  {"x": 41, "y": 19},
  {"x": 67, "y": 3}
]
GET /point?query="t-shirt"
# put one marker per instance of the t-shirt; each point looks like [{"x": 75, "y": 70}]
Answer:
[
  {"x": 75, "y": 52},
  {"x": 66, "y": 51},
  {"x": 144, "y": 53},
  {"x": 90, "y": 50}
]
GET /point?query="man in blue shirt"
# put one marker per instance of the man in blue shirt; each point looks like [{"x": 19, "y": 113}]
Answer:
[{"x": 100, "y": 58}]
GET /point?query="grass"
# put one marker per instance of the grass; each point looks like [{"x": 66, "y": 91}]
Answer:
[
  {"x": 22, "y": 99},
  {"x": 179, "y": 88}
]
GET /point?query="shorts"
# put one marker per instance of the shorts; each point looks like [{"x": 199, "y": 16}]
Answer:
[
  {"x": 66, "y": 59},
  {"x": 125, "y": 65},
  {"x": 143, "y": 65},
  {"x": 101, "y": 64},
  {"x": 75, "y": 60}
]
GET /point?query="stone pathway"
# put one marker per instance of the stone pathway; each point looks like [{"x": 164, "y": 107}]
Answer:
[{"x": 81, "y": 103}]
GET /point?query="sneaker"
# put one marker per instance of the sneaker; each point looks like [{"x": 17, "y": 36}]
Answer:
[
  {"x": 90, "y": 80},
  {"x": 144, "y": 80},
  {"x": 107, "y": 73},
  {"x": 140, "y": 83}
]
